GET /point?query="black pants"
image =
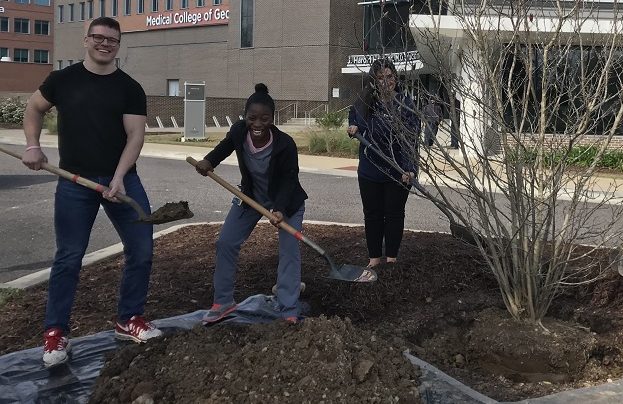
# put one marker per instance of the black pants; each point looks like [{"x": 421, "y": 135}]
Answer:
[{"x": 384, "y": 215}]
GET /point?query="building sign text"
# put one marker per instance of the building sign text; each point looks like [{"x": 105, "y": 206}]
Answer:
[{"x": 410, "y": 57}]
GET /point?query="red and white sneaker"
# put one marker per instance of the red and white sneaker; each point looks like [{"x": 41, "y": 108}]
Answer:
[
  {"x": 137, "y": 329},
  {"x": 56, "y": 347}
]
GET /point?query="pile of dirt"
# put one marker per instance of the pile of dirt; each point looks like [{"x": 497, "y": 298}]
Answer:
[
  {"x": 439, "y": 299},
  {"x": 317, "y": 360}
]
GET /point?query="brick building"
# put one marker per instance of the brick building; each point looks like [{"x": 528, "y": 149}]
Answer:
[
  {"x": 298, "y": 48},
  {"x": 26, "y": 44}
]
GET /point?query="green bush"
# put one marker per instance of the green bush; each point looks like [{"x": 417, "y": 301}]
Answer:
[
  {"x": 50, "y": 123},
  {"x": 580, "y": 156},
  {"x": 334, "y": 143},
  {"x": 331, "y": 120},
  {"x": 12, "y": 110}
]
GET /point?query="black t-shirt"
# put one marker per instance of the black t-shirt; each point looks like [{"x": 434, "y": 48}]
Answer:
[{"x": 90, "y": 116}]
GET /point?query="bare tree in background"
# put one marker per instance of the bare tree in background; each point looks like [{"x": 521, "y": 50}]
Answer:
[{"x": 531, "y": 89}]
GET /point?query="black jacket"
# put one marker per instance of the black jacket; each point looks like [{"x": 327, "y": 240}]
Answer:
[{"x": 284, "y": 188}]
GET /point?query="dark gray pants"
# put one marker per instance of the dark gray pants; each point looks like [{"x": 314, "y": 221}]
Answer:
[{"x": 238, "y": 225}]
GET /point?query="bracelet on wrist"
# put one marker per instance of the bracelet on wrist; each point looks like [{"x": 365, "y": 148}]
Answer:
[{"x": 33, "y": 147}]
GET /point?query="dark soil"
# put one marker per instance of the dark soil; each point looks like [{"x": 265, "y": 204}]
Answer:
[
  {"x": 170, "y": 212},
  {"x": 438, "y": 300},
  {"x": 318, "y": 360}
]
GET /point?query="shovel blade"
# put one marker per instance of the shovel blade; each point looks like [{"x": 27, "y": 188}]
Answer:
[
  {"x": 462, "y": 233},
  {"x": 352, "y": 273},
  {"x": 170, "y": 212}
]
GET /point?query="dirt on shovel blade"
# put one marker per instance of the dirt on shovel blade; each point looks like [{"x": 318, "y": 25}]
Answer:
[
  {"x": 319, "y": 360},
  {"x": 170, "y": 212}
]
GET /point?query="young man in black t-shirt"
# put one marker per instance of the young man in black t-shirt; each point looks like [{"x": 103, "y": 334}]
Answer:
[{"x": 101, "y": 127}]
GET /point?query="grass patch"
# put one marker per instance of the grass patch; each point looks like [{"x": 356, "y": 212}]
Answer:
[
  {"x": 6, "y": 294},
  {"x": 332, "y": 142},
  {"x": 324, "y": 142}
]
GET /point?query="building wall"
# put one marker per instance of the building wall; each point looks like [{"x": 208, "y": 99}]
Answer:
[
  {"x": 298, "y": 50},
  {"x": 25, "y": 77},
  {"x": 22, "y": 78},
  {"x": 345, "y": 39}
]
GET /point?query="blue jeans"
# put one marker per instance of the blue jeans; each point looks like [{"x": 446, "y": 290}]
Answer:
[
  {"x": 238, "y": 225},
  {"x": 75, "y": 209}
]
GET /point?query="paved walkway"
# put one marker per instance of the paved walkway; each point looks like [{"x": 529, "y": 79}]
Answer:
[{"x": 602, "y": 185}]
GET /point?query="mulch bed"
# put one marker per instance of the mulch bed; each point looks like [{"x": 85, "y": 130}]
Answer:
[{"x": 438, "y": 301}]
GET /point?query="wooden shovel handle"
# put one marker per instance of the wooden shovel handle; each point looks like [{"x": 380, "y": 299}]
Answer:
[
  {"x": 285, "y": 226},
  {"x": 74, "y": 177}
]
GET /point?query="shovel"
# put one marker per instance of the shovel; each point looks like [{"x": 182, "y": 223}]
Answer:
[
  {"x": 347, "y": 273},
  {"x": 457, "y": 230},
  {"x": 168, "y": 213}
]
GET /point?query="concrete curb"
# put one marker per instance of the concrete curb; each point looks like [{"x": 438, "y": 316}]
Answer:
[{"x": 43, "y": 274}]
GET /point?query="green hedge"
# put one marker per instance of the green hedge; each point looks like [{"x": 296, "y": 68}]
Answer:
[
  {"x": 333, "y": 142},
  {"x": 580, "y": 156},
  {"x": 12, "y": 110}
]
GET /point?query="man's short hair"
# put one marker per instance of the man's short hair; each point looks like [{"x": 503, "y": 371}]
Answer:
[{"x": 106, "y": 22}]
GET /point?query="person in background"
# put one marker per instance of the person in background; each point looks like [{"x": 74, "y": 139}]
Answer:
[
  {"x": 455, "y": 124},
  {"x": 432, "y": 116},
  {"x": 381, "y": 114},
  {"x": 268, "y": 162},
  {"x": 101, "y": 126}
]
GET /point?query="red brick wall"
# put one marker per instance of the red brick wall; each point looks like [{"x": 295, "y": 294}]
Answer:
[
  {"x": 22, "y": 77},
  {"x": 616, "y": 143}
]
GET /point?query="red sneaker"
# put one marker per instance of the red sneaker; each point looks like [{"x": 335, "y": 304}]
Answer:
[
  {"x": 137, "y": 329},
  {"x": 56, "y": 347}
]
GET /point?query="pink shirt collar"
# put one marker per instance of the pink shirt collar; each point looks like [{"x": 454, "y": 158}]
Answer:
[{"x": 254, "y": 149}]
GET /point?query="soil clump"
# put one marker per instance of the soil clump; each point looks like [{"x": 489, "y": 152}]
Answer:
[{"x": 317, "y": 360}]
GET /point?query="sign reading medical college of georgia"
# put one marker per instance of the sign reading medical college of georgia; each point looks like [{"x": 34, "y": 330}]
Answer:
[{"x": 189, "y": 17}]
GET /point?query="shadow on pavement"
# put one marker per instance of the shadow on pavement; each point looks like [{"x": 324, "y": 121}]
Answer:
[{"x": 20, "y": 181}]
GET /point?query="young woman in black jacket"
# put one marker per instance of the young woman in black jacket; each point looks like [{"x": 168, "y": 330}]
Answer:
[{"x": 268, "y": 162}]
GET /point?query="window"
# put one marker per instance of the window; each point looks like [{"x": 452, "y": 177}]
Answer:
[
  {"x": 168, "y": 5},
  {"x": 21, "y": 25},
  {"x": 82, "y": 11},
  {"x": 42, "y": 2},
  {"x": 154, "y": 6},
  {"x": 22, "y": 1},
  {"x": 173, "y": 88},
  {"x": 117, "y": 62},
  {"x": 70, "y": 62},
  {"x": 201, "y": 3},
  {"x": 102, "y": 8},
  {"x": 42, "y": 27},
  {"x": 71, "y": 12},
  {"x": 217, "y": 2},
  {"x": 4, "y": 52},
  {"x": 59, "y": 64},
  {"x": 90, "y": 9},
  {"x": 61, "y": 13},
  {"x": 4, "y": 24},
  {"x": 114, "y": 11},
  {"x": 127, "y": 7},
  {"x": 41, "y": 56},
  {"x": 183, "y": 4},
  {"x": 20, "y": 55},
  {"x": 140, "y": 8},
  {"x": 246, "y": 23}
]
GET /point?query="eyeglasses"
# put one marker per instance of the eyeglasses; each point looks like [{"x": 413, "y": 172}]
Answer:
[{"x": 97, "y": 38}]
